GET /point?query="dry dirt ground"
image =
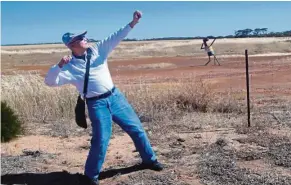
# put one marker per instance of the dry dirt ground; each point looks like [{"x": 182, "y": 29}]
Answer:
[{"x": 198, "y": 148}]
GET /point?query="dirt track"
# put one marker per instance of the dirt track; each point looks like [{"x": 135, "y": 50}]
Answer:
[{"x": 265, "y": 72}]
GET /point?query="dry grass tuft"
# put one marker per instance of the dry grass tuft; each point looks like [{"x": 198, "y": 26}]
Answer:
[
  {"x": 174, "y": 99},
  {"x": 34, "y": 101}
]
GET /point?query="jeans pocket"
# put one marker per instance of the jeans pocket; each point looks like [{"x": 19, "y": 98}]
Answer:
[{"x": 121, "y": 100}]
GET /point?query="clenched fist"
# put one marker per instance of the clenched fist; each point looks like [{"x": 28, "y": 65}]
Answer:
[
  {"x": 64, "y": 60},
  {"x": 136, "y": 16}
]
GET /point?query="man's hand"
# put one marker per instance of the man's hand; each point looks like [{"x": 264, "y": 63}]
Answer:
[
  {"x": 64, "y": 61},
  {"x": 136, "y": 16}
]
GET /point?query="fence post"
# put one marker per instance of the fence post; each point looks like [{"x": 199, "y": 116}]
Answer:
[{"x": 248, "y": 87}]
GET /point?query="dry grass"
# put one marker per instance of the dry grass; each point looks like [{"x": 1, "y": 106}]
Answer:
[
  {"x": 35, "y": 101},
  {"x": 178, "y": 115},
  {"x": 172, "y": 100},
  {"x": 219, "y": 165}
]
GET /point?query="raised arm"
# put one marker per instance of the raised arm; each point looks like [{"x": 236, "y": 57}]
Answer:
[
  {"x": 57, "y": 75},
  {"x": 106, "y": 46}
]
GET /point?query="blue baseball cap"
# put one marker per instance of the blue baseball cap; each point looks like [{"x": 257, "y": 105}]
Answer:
[{"x": 70, "y": 37}]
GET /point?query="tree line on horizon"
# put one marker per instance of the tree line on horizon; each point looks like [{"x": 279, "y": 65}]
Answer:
[{"x": 244, "y": 33}]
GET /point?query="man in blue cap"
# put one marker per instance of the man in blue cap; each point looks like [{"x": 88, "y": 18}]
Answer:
[{"x": 104, "y": 101}]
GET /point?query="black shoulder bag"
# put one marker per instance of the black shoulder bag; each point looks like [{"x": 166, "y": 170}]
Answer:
[{"x": 80, "y": 115}]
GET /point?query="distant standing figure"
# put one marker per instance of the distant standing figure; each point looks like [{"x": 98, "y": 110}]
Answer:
[{"x": 209, "y": 50}]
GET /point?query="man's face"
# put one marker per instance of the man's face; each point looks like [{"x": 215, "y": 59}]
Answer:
[{"x": 80, "y": 43}]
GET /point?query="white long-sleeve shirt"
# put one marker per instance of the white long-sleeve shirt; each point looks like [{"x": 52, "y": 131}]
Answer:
[{"x": 100, "y": 80}]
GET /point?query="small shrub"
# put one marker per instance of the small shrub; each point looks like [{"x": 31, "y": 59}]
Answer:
[
  {"x": 10, "y": 123},
  {"x": 226, "y": 104}
]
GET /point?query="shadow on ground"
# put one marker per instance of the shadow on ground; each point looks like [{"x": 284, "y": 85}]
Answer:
[{"x": 62, "y": 178}]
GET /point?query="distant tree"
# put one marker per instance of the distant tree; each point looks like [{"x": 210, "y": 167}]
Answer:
[
  {"x": 264, "y": 30},
  {"x": 243, "y": 33},
  {"x": 279, "y": 34},
  {"x": 274, "y": 34},
  {"x": 210, "y": 37},
  {"x": 247, "y": 32},
  {"x": 257, "y": 31},
  {"x": 229, "y": 36},
  {"x": 134, "y": 39},
  {"x": 238, "y": 33},
  {"x": 219, "y": 37},
  {"x": 287, "y": 33}
]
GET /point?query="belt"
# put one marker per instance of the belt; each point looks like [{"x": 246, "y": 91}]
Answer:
[{"x": 105, "y": 95}]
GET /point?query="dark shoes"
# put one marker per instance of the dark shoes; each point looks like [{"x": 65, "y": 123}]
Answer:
[{"x": 156, "y": 166}]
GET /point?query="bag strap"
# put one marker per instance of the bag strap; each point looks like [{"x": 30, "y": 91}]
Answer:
[{"x": 89, "y": 53}]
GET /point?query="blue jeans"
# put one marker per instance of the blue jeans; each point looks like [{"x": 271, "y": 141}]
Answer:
[{"x": 101, "y": 113}]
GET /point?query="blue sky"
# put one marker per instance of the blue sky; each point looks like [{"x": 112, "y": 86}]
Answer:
[{"x": 34, "y": 22}]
